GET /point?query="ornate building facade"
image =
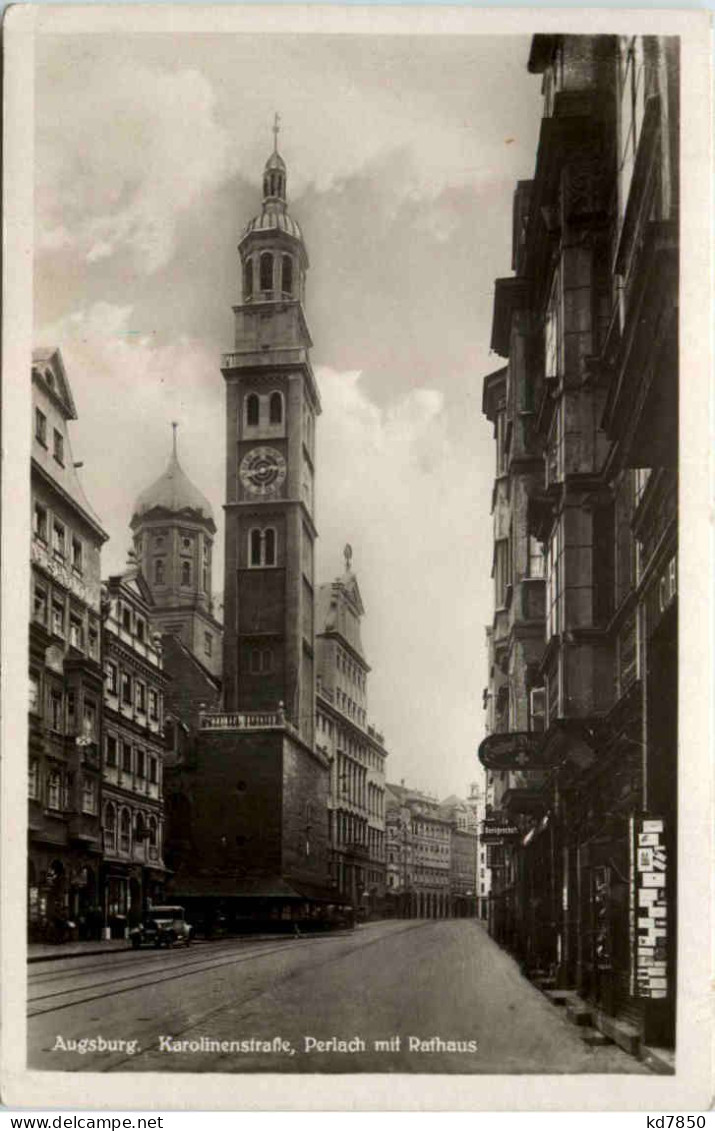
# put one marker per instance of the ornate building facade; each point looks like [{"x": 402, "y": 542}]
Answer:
[
  {"x": 419, "y": 854},
  {"x": 133, "y": 743},
  {"x": 65, "y": 705},
  {"x": 354, "y": 748},
  {"x": 583, "y": 754}
]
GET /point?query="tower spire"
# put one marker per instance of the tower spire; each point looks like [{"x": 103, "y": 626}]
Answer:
[
  {"x": 175, "y": 427},
  {"x": 276, "y": 130}
]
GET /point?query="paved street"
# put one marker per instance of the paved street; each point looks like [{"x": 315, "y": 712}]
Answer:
[{"x": 401, "y": 982}]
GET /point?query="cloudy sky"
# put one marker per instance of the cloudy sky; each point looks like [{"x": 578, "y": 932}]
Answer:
[{"x": 402, "y": 157}]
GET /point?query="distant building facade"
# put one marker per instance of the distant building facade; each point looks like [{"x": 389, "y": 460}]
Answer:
[
  {"x": 354, "y": 749},
  {"x": 421, "y": 835},
  {"x": 65, "y": 677},
  {"x": 464, "y": 856},
  {"x": 398, "y": 847},
  {"x": 582, "y": 758}
]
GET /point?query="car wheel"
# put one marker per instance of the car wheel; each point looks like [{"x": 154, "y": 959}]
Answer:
[
  {"x": 136, "y": 942},
  {"x": 157, "y": 943},
  {"x": 188, "y": 940}
]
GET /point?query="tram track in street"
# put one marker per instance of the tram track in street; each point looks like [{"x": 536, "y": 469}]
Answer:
[
  {"x": 238, "y": 1003},
  {"x": 37, "y": 1006}
]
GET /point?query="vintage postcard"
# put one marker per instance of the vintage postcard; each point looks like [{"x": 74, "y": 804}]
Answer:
[{"x": 357, "y": 570}]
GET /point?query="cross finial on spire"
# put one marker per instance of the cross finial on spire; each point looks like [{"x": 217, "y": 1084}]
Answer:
[
  {"x": 175, "y": 427},
  {"x": 276, "y": 130},
  {"x": 348, "y": 555}
]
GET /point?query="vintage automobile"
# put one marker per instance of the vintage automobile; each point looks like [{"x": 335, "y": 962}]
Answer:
[{"x": 162, "y": 926}]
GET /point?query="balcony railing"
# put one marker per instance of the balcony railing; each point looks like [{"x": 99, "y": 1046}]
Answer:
[{"x": 242, "y": 720}]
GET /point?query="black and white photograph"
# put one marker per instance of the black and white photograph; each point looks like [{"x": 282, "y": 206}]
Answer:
[{"x": 349, "y": 563}]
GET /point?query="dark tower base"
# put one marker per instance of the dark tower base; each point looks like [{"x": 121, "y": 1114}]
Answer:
[{"x": 254, "y": 849}]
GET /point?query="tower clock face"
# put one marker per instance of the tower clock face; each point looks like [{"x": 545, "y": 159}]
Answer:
[{"x": 262, "y": 471}]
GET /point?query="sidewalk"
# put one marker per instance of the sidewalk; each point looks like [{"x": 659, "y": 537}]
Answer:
[
  {"x": 49, "y": 952},
  {"x": 46, "y": 952}
]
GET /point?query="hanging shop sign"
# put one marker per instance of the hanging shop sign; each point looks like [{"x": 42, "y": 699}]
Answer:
[
  {"x": 650, "y": 860},
  {"x": 517, "y": 750},
  {"x": 495, "y": 831}
]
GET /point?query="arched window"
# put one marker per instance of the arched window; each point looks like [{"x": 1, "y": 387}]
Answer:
[
  {"x": 252, "y": 410},
  {"x": 53, "y": 790},
  {"x": 186, "y": 573},
  {"x": 269, "y": 557},
  {"x": 287, "y": 275},
  {"x": 110, "y": 827},
  {"x": 275, "y": 414},
  {"x": 248, "y": 279},
  {"x": 266, "y": 271},
  {"x": 139, "y": 827},
  {"x": 159, "y": 571},
  {"x": 125, "y": 834}
]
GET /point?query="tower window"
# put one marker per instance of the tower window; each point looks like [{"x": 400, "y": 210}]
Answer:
[
  {"x": 252, "y": 410},
  {"x": 270, "y": 546},
  {"x": 262, "y": 547},
  {"x": 186, "y": 573},
  {"x": 287, "y": 275},
  {"x": 266, "y": 271},
  {"x": 261, "y": 661},
  {"x": 248, "y": 279},
  {"x": 255, "y": 550},
  {"x": 159, "y": 571},
  {"x": 276, "y": 408}
]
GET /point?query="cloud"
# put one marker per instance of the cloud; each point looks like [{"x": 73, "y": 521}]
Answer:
[
  {"x": 118, "y": 170},
  {"x": 128, "y": 390},
  {"x": 148, "y": 162},
  {"x": 404, "y": 495}
]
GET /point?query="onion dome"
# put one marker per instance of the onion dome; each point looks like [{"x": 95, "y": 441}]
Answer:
[{"x": 173, "y": 492}]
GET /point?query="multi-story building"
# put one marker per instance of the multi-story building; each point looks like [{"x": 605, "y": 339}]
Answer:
[
  {"x": 253, "y": 795},
  {"x": 354, "y": 748},
  {"x": 428, "y": 851},
  {"x": 582, "y": 754},
  {"x": 398, "y": 850},
  {"x": 65, "y": 704},
  {"x": 133, "y": 742},
  {"x": 464, "y": 856}
]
